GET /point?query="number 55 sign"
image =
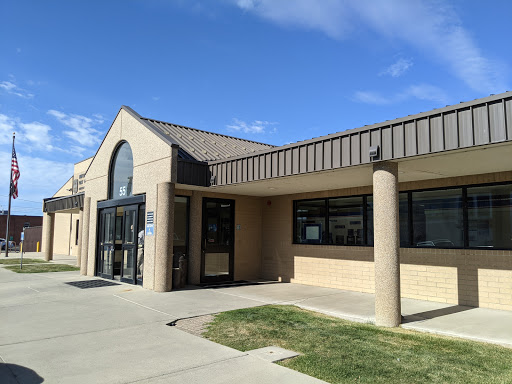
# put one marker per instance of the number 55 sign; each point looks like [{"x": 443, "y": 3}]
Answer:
[{"x": 122, "y": 191}]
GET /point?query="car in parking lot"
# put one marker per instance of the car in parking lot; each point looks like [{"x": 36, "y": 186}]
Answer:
[{"x": 2, "y": 244}]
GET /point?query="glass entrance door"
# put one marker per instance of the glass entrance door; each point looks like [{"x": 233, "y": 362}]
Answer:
[
  {"x": 107, "y": 243},
  {"x": 218, "y": 240},
  {"x": 129, "y": 245},
  {"x": 121, "y": 243}
]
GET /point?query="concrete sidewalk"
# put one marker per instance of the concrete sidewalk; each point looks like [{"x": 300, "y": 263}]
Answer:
[
  {"x": 58, "y": 333},
  {"x": 57, "y": 258},
  {"x": 479, "y": 324},
  {"x": 119, "y": 333}
]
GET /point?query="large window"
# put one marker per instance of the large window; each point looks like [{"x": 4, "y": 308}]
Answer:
[
  {"x": 310, "y": 221},
  {"x": 121, "y": 173},
  {"x": 346, "y": 221},
  {"x": 490, "y": 216},
  {"x": 462, "y": 217},
  {"x": 437, "y": 218}
]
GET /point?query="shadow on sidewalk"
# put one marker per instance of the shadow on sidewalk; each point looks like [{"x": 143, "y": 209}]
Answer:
[
  {"x": 427, "y": 315},
  {"x": 14, "y": 374}
]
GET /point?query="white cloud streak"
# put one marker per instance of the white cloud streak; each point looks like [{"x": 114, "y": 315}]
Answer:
[
  {"x": 82, "y": 128},
  {"x": 419, "y": 91},
  {"x": 12, "y": 89},
  {"x": 37, "y": 134},
  {"x": 256, "y": 127},
  {"x": 398, "y": 68},
  {"x": 7, "y": 127},
  {"x": 432, "y": 27},
  {"x": 33, "y": 136},
  {"x": 40, "y": 178}
]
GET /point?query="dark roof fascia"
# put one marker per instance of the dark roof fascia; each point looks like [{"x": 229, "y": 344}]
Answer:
[
  {"x": 434, "y": 112},
  {"x": 78, "y": 198},
  {"x": 48, "y": 199},
  {"x": 211, "y": 133}
]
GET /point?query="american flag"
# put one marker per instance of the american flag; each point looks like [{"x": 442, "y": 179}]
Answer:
[{"x": 15, "y": 174}]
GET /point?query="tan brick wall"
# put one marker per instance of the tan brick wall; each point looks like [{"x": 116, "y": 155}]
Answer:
[
  {"x": 466, "y": 277},
  {"x": 481, "y": 278},
  {"x": 61, "y": 233}
]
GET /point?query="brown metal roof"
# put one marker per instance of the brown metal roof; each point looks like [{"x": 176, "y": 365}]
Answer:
[
  {"x": 206, "y": 146},
  {"x": 469, "y": 124}
]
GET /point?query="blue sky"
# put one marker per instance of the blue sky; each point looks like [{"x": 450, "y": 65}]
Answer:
[{"x": 275, "y": 71}]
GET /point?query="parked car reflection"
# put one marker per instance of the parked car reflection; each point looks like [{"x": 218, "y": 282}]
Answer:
[{"x": 439, "y": 243}]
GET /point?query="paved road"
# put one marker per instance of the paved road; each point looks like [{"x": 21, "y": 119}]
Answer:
[{"x": 53, "y": 332}]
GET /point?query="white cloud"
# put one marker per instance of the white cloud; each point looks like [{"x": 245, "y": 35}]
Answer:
[
  {"x": 418, "y": 91},
  {"x": 37, "y": 134},
  {"x": 33, "y": 136},
  {"x": 328, "y": 16},
  {"x": 430, "y": 27},
  {"x": 40, "y": 178},
  {"x": 370, "y": 97},
  {"x": 398, "y": 68},
  {"x": 7, "y": 127},
  {"x": 257, "y": 126},
  {"x": 427, "y": 92},
  {"x": 82, "y": 128},
  {"x": 11, "y": 88}
]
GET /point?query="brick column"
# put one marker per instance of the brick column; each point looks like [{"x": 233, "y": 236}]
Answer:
[
  {"x": 386, "y": 244},
  {"x": 164, "y": 237}
]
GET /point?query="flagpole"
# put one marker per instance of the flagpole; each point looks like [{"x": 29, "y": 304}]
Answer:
[{"x": 9, "y": 209}]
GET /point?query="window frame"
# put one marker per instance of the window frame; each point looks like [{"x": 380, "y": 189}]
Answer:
[
  {"x": 410, "y": 218},
  {"x": 111, "y": 170},
  {"x": 326, "y": 220}
]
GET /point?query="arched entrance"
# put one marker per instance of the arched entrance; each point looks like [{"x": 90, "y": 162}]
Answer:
[{"x": 120, "y": 253}]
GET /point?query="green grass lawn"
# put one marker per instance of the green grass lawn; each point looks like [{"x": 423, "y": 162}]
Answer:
[
  {"x": 10, "y": 261},
  {"x": 340, "y": 351},
  {"x": 42, "y": 268}
]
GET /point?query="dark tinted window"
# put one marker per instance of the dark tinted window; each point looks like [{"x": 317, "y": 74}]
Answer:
[
  {"x": 310, "y": 225},
  {"x": 121, "y": 174},
  {"x": 346, "y": 221},
  {"x": 490, "y": 216},
  {"x": 437, "y": 218}
]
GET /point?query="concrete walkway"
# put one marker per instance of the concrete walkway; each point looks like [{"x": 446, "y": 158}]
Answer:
[
  {"x": 53, "y": 332},
  {"x": 58, "y": 259},
  {"x": 119, "y": 334}
]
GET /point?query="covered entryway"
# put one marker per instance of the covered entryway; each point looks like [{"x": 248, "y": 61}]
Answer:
[{"x": 120, "y": 253}]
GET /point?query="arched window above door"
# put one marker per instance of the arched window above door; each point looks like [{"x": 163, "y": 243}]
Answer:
[{"x": 121, "y": 172}]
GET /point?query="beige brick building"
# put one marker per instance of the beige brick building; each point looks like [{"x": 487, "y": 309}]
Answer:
[{"x": 418, "y": 207}]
